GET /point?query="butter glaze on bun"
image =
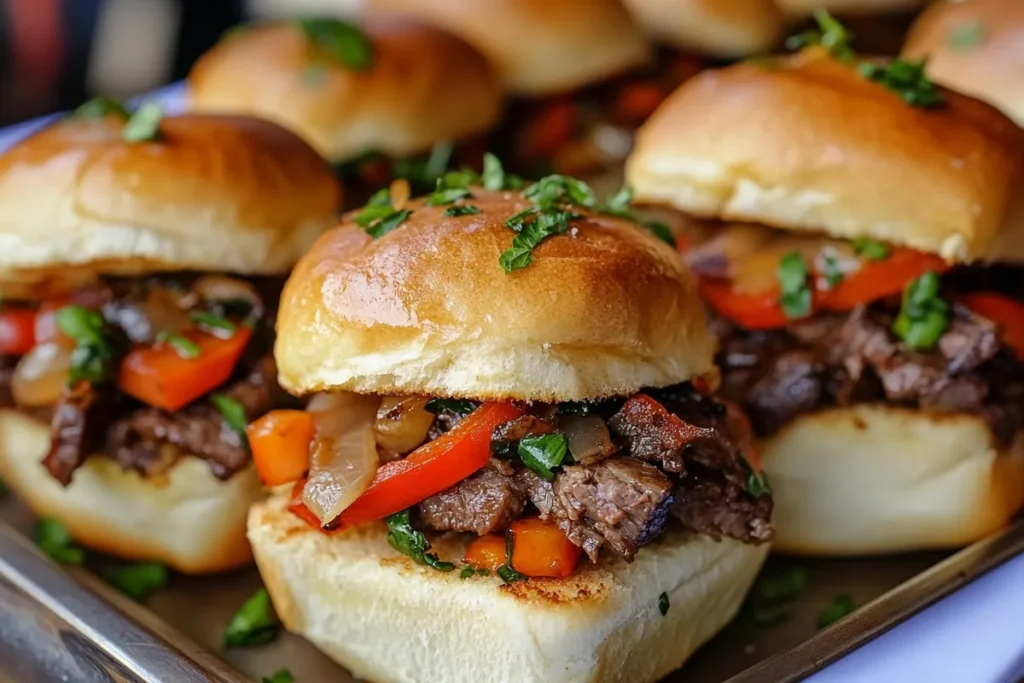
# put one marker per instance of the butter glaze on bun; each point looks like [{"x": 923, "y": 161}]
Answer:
[
  {"x": 806, "y": 143},
  {"x": 976, "y": 47},
  {"x": 220, "y": 193},
  {"x": 721, "y": 28},
  {"x": 603, "y": 623},
  {"x": 423, "y": 86},
  {"x": 426, "y": 309},
  {"x": 539, "y": 47}
]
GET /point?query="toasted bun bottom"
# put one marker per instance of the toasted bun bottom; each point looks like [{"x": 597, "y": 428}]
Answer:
[
  {"x": 189, "y": 520},
  {"x": 877, "y": 479},
  {"x": 345, "y": 592}
]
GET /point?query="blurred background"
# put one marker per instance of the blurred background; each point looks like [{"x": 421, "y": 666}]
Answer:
[{"x": 56, "y": 53}]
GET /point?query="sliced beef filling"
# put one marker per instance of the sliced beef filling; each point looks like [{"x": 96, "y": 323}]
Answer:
[
  {"x": 7, "y": 365},
  {"x": 839, "y": 360},
  {"x": 484, "y": 503}
]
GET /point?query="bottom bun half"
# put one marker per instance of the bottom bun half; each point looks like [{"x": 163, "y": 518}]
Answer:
[
  {"x": 187, "y": 519},
  {"x": 388, "y": 620},
  {"x": 874, "y": 479}
]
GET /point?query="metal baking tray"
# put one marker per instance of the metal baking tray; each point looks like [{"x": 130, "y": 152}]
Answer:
[{"x": 58, "y": 624}]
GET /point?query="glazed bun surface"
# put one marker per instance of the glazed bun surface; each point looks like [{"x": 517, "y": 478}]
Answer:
[
  {"x": 423, "y": 86},
  {"x": 878, "y": 479},
  {"x": 602, "y": 310},
  {"x": 976, "y": 47},
  {"x": 601, "y": 624},
  {"x": 721, "y": 28},
  {"x": 212, "y": 193},
  {"x": 804, "y": 8},
  {"x": 189, "y": 520},
  {"x": 539, "y": 47},
  {"x": 807, "y": 143}
]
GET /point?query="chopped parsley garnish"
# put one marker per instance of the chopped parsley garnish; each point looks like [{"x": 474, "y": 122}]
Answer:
[
  {"x": 459, "y": 406},
  {"x": 924, "y": 314},
  {"x": 408, "y": 541},
  {"x": 906, "y": 78},
  {"x": 663, "y": 604},
  {"x": 505, "y": 571},
  {"x": 253, "y": 624},
  {"x": 144, "y": 124},
  {"x": 662, "y": 232},
  {"x": 555, "y": 190},
  {"x": 871, "y": 249},
  {"x": 340, "y": 40},
  {"x": 840, "y": 606},
  {"x": 183, "y": 346},
  {"x": 467, "y": 572},
  {"x": 757, "y": 481},
  {"x": 423, "y": 172},
  {"x": 495, "y": 178},
  {"x": 279, "y": 676},
  {"x": 770, "y": 602},
  {"x": 833, "y": 275},
  {"x": 94, "y": 351},
  {"x": 212, "y": 323},
  {"x": 575, "y": 408},
  {"x": 445, "y": 194},
  {"x": 795, "y": 295},
  {"x": 542, "y": 453},
  {"x": 462, "y": 210},
  {"x": 140, "y": 580},
  {"x": 483, "y": 572},
  {"x": 966, "y": 36},
  {"x": 232, "y": 411},
  {"x": 54, "y": 539},
  {"x": 619, "y": 203},
  {"x": 830, "y": 34},
  {"x": 378, "y": 217},
  {"x": 99, "y": 107}
]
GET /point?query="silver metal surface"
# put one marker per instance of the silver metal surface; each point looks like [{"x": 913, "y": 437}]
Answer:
[{"x": 86, "y": 637}]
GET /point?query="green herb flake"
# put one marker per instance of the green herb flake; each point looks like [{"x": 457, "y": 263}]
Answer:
[
  {"x": 214, "y": 324},
  {"x": 93, "y": 355},
  {"x": 662, "y": 232},
  {"x": 795, "y": 295},
  {"x": 907, "y": 79},
  {"x": 830, "y": 34},
  {"x": 575, "y": 408},
  {"x": 483, "y": 572},
  {"x": 966, "y": 37},
  {"x": 663, "y": 604},
  {"x": 378, "y": 217},
  {"x": 833, "y": 275},
  {"x": 784, "y": 587},
  {"x": 342, "y": 41},
  {"x": 462, "y": 210},
  {"x": 840, "y": 606},
  {"x": 444, "y": 195},
  {"x": 144, "y": 124},
  {"x": 467, "y": 572},
  {"x": 140, "y": 580},
  {"x": 619, "y": 204},
  {"x": 408, "y": 541},
  {"x": 54, "y": 539},
  {"x": 423, "y": 172},
  {"x": 279, "y": 676},
  {"x": 459, "y": 406},
  {"x": 871, "y": 249},
  {"x": 494, "y": 174},
  {"x": 542, "y": 453},
  {"x": 183, "y": 346},
  {"x": 232, "y": 411},
  {"x": 757, "y": 481},
  {"x": 923, "y": 315},
  {"x": 254, "y": 623},
  {"x": 101, "y": 107},
  {"x": 505, "y": 571}
]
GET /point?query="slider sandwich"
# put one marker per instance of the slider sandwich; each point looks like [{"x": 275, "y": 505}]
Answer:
[
  {"x": 140, "y": 262},
  {"x": 581, "y": 74},
  {"x": 863, "y": 235},
  {"x": 976, "y": 47},
  {"x": 377, "y": 99},
  {"x": 508, "y": 465}
]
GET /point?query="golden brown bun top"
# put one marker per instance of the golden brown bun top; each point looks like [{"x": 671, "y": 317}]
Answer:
[
  {"x": 603, "y": 310},
  {"x": 807, "y": 143},
  {"x": 721, "y": 28},
  {"x": 212, "y": 193},
  {"x": 423, "y": 86},
  {"x": 803, "y": 8},
  {"x": 539, "y": 46},
  {"x": 976, "y": 47}
]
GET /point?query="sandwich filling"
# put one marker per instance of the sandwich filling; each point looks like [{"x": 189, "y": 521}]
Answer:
[
  {"x": 144, "y": 370},
  {"x": 806, "y": 323},
  {"x": 604, "y": 476}
]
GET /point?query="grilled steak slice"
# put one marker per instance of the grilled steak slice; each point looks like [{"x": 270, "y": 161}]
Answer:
[
  {"x": 484, "y": 503},
  {"x": 77, "y": 429},
  {"x": 717, "y": 506}
]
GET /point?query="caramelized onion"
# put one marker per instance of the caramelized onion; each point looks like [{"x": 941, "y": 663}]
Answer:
[
  {"x": 218, "y": 288},
  {"x": 41, "y": 375},
  {"x": 587, "y": 436},
  {"x": 402, "y": 423},
  {"x": 343, "y": 457},
  {"x": 718, "y": 255}
]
